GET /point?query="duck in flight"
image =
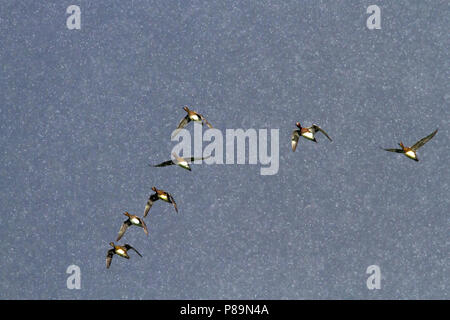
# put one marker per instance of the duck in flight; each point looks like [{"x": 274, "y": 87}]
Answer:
[
  {"x": 159, "y": 194},
  {"x": 132, "y": 220},
  {"x": 191, "y": 116},
  {"x": 411, "y": 152},
  {"x": 120, "y": 251},
  {"x": 182, "y": 162},
  {"x": 305, "y": 132}
]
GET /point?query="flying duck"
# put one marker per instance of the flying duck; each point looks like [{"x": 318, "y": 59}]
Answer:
[
  {"x": 132, "y": 220},
  {"x": 182, "y": 162},
  {"x": 411, "y": 152},
  {"x": 119, "y": 250},
  {"x": 191, "y": 116},
  {"x": 306, "y": 132},
  {"x": 159, "y": 194}
]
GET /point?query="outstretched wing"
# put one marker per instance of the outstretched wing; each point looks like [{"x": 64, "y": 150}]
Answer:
[
  {"x": 192, "y": 159},
  {"x": 205, "y": 121},
  {"x": 109, "y": 257},
  {"x": 149, "y": 204},
  {"x": 294, "y": 139},
  {"x": 172, "y": 200},
  {"x": 394, "y": 150},
  {"x": 181, "y": 125},
  {"x": 128, "y": 247},
  {"x": 123, "y": 228},
  {"x": 317, "y": 128},
  {"x": 144, "y": 226},
  {"x": 164, "y": 164},
  {"x": 421, "y": 142}
]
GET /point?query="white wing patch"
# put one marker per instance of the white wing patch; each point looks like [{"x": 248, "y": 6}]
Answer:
[{"x": 308, "y": 135}]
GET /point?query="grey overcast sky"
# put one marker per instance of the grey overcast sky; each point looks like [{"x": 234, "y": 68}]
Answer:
[{"x": 83, "y": 113}]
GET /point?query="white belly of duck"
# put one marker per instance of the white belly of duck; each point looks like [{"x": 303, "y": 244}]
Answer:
[
  {"x": 135, "y": 221},
  {"x": 195, "y": 118},
  {"x": 121, "y": 252},
  {"x": 183, "y": 164},
  {"x": 308, "y": 135},
  {"x": 164, "y": 197},
  {"x": 411, "y": 154}
]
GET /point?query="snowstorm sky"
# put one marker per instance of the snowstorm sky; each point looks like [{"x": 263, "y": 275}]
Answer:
[{"x": 84, "y": 112}]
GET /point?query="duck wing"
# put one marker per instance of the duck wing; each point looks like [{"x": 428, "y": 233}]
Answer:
[
  {"x": 164, "y": 164},
  {"x": 317, "y": 128},
  {"x": 123, "y": 228},
  {"x": 394, "y": 150},
  {"x": 181, "y": 125},
  {"x": 109, "y": 257},
  {"x": 192, "y": 159},
  {"x": 294, "y": 139},
  {"x": 128, "y": 247},
  {"x": 172, "y": 200},
  {"x": 150, "y": 202},
  {"x": 144, "y": 226},
  {"x": 205, "y": 121},
  {"x": 422, "y": 141}
]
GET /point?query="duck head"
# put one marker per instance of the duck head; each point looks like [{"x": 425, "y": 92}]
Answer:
[
  {"x": 154, "y": 189},
  {"x": 112, "y": 244},
  {"x": 185, "y": 108},
  {"x": 298, "y": 125}
]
